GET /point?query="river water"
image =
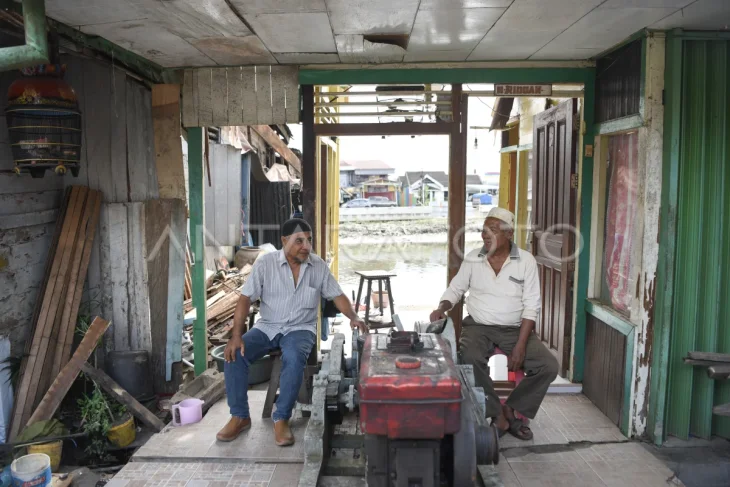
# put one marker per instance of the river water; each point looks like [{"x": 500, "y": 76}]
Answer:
[{"x": 420, "y": 270}]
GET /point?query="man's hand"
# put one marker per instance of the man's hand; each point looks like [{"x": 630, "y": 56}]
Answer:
[
  {"x": 234, "y": 344},
  {"x": 437, "y": 314},
  {"x": 517, "y": 357},
  {"x": 360, "y": 324}
]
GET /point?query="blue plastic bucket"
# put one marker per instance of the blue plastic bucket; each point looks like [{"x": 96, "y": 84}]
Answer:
[{"x": 32, "y": 470}]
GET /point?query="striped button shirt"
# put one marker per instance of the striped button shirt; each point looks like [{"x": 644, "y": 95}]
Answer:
[{"x": 284, "y": 306}]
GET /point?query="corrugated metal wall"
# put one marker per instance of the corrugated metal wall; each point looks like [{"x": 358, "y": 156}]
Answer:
[
  {"x": 270, "y": 208},
  {"x": 603, "y": 380},
  {"x": 618, "y": 83},
  {"x": 702, "y": 281}
]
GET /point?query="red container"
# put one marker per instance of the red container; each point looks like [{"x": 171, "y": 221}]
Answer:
[{"x": 409, "y": 392}]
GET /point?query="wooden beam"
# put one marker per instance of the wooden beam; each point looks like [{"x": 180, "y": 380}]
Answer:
[
  {"x": 719, "y": 372},
  {"x": 323, "y": 160},
  {"x": 118, "y": 393},
  {"x": 197, "y": 245},
  {"x": 711, "y": 356},
  {"x": 457, "y": 194},
  {"x": 272, "y": 138},
  {"x": 168, "y": 146},
  {"x": 394, "y": 128},
  {"x": 309, "y": 158},
  {"x": 61, "y": 385}
]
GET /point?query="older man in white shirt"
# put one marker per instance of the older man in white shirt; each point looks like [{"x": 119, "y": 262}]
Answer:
[{"x": 503, "y": 304}]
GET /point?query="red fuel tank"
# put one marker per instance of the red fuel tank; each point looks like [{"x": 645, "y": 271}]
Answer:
[{"x": 409, "y": 387}]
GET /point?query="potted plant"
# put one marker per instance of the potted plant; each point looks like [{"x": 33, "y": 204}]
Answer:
[{"x": 102, "y": 420}]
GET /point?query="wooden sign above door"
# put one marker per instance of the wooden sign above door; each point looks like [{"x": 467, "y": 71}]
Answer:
[{"x": 523, "y": 90}]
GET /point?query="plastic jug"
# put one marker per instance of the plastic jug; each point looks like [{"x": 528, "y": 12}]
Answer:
[{"x": 188, "y": 411}]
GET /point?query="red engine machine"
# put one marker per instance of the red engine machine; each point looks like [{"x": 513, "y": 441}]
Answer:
[{"x": 421, "y": 418}]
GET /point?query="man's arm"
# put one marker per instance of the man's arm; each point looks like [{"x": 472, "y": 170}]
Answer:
[
  {"x": 332, "y": 290},
  {"x": 531, "y": 308},
  {"x": 250, "y": 292},
  {"x": 458, "y": 286}
]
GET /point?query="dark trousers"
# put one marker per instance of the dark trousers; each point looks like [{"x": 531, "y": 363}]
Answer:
[{"x": 540, "y": 366}]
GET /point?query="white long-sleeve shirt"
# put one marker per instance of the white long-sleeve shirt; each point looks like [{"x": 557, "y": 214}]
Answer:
[{"x": 503, "y": 299}]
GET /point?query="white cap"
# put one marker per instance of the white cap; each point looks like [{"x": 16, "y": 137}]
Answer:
[{"x": 501, "y": 214}]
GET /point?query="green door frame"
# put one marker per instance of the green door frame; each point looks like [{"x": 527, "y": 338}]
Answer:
[
  {"x": 586, "y": 76},
  {"x": 657, "y": 420}
]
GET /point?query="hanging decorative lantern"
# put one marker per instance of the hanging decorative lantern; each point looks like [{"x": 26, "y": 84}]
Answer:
[{"x": 44, "y": 122}]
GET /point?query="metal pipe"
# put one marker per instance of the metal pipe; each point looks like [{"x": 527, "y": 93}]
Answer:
[
  {"x": 379, "y": 103},
  {"x": 379, "y": 114},
  {"x": 379, "y": 93},
  {"x": 35, "y": 50}
]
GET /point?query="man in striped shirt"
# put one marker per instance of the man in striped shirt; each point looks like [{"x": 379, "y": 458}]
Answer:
[{"x": 290, "y": 284}]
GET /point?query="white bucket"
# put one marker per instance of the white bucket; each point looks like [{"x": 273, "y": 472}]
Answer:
[{"x": 31, "y": 471}]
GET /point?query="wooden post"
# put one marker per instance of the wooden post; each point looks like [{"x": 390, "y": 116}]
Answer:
[
  {"x": 309, "y": 157},
  {"x": 323, "y": 163},
  {"x": 457, "y": 194},
  {"x": 197, "y": 244}
]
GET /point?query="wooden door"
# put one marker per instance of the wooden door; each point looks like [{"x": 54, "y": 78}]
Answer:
[{"x": 553, "y": 218}]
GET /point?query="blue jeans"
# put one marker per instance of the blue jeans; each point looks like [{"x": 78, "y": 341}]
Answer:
[{"x": 295, "y": 347}]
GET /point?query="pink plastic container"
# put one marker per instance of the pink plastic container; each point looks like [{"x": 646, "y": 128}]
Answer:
[{"x": 188, "y": 411}]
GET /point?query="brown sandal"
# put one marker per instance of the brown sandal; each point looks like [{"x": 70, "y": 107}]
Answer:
[{"x": 520, "y": 430}]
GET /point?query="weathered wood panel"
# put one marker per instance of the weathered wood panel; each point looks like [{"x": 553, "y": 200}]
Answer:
[
  {"x": 165, "y": 239},
  {"x": 258, "y": 95},
  {"x": 603, "y": 380},
  {"x": 168, "y": 145},
  {"x": 141, "y": 165},
  {"x": 223, "y": 198}
]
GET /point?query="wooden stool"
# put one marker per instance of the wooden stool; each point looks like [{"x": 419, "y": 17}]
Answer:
[
  {"x": 505, "y": 388},
  {"x": 379, "y": 276}
]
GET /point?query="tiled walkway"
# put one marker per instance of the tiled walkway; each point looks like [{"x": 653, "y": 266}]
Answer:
[{"x": 574, "y": 445}]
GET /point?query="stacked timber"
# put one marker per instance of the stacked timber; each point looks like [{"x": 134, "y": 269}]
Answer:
[
  {"x": 222, "y": 296},
  {"x": 57, "y": 306}
]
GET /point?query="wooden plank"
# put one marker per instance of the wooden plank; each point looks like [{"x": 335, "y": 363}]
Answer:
[
  {"x": 219, "y": 96},
  {"x": 175, "y": 311},
  {"x": 118, "y": 142},
  {"x": 279, "y": 75},
  {"x": 90, "y": 232},
  {"x": 168, "y": 145},
  {"x": 291, "y": 92},
  {"x": 719, "y": 372},
  {"x": 165, "y": 257},
  {"x": 209, "y": 194},
  {"x": 119, "y": 267},
  {"x": 75, "y": 68},
  {"x": 711, "y": 356},
  {"x": 235, "y": 97},
  {"x": 28, "y": 219},
  {"x": 136, "y": 162},
  {"x": 118, "y": 393},
  {"x": 722, "y": 410},
  {"x": 97, "y": 128},
  {"x": 140, "y": 332},
  {"x": 308, "y": 168},
  {"x": 74, "y": 277},
  {"x": 203, "y": 96},
  {"x": 264, "y": 114},
  {"x": 248, "y": 94},
  {"x": 147, "y": 140},
  {"x": 219, "y": 159},
  {"x": 189, "y": 109},
  {"x": 61, "y": 385},
  {"x": 36, "y": 352},
  {"x": 272, "y": 138},
  {"x": 233, "y": 204}
]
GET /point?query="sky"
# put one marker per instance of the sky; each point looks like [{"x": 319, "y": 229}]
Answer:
[{"x": 427, "y": 152}]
